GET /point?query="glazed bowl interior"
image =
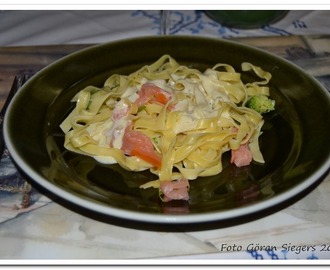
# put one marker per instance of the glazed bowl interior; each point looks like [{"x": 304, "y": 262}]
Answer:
[{"x": 295, "y": 139}]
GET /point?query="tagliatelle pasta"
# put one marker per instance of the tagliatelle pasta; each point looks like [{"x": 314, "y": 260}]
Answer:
[{"x": 170, "y": 119}]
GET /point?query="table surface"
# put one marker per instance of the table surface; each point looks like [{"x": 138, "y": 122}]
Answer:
[{"x": 35, "y": 226}]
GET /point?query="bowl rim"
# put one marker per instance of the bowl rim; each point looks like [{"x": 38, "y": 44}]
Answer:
[{"x": 154, "y": 217}]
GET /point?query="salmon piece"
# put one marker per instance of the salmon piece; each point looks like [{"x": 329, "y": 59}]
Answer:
[
  {"x": 135, "y": 143},
  {"x": 242, "y": 156},
  {"x": 175, "y": 190},
  {"x": 152, "y": 93}
]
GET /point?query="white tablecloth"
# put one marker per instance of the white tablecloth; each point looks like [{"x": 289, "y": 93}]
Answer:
[{"x": 51, "y": 231}]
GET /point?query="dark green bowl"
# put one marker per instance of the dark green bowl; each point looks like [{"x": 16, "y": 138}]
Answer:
[
  {"x": 246, "y": 19},
  {"x": 295, "y": 139}
]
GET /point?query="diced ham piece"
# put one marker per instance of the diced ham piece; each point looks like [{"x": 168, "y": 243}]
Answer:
[
  {"x": 175, "y": 190},
  {"x": 242, "y": 156},
  {"x": 152, "y": 93}
]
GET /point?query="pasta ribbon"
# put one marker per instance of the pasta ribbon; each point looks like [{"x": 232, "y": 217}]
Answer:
[{"x": 169, "y": 113}]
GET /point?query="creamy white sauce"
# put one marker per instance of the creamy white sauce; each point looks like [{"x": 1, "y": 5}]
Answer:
[{"x": 201, "y": 99}]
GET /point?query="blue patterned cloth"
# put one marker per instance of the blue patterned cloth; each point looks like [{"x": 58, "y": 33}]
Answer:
[
  {"x": 196, "y": 22},
  {"x": 45, "y": 27}
]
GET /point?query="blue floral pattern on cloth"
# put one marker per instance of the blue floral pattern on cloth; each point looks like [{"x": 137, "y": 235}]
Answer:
[
  {"x": 274, "y": 255},
  {"x": 197, "y": 22}
]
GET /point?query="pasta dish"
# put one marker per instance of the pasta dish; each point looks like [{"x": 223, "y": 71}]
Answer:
[{"x": 170, "y": 119}]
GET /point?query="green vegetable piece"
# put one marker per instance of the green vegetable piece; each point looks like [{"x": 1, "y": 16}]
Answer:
[{"x": 261, "y": 104}]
